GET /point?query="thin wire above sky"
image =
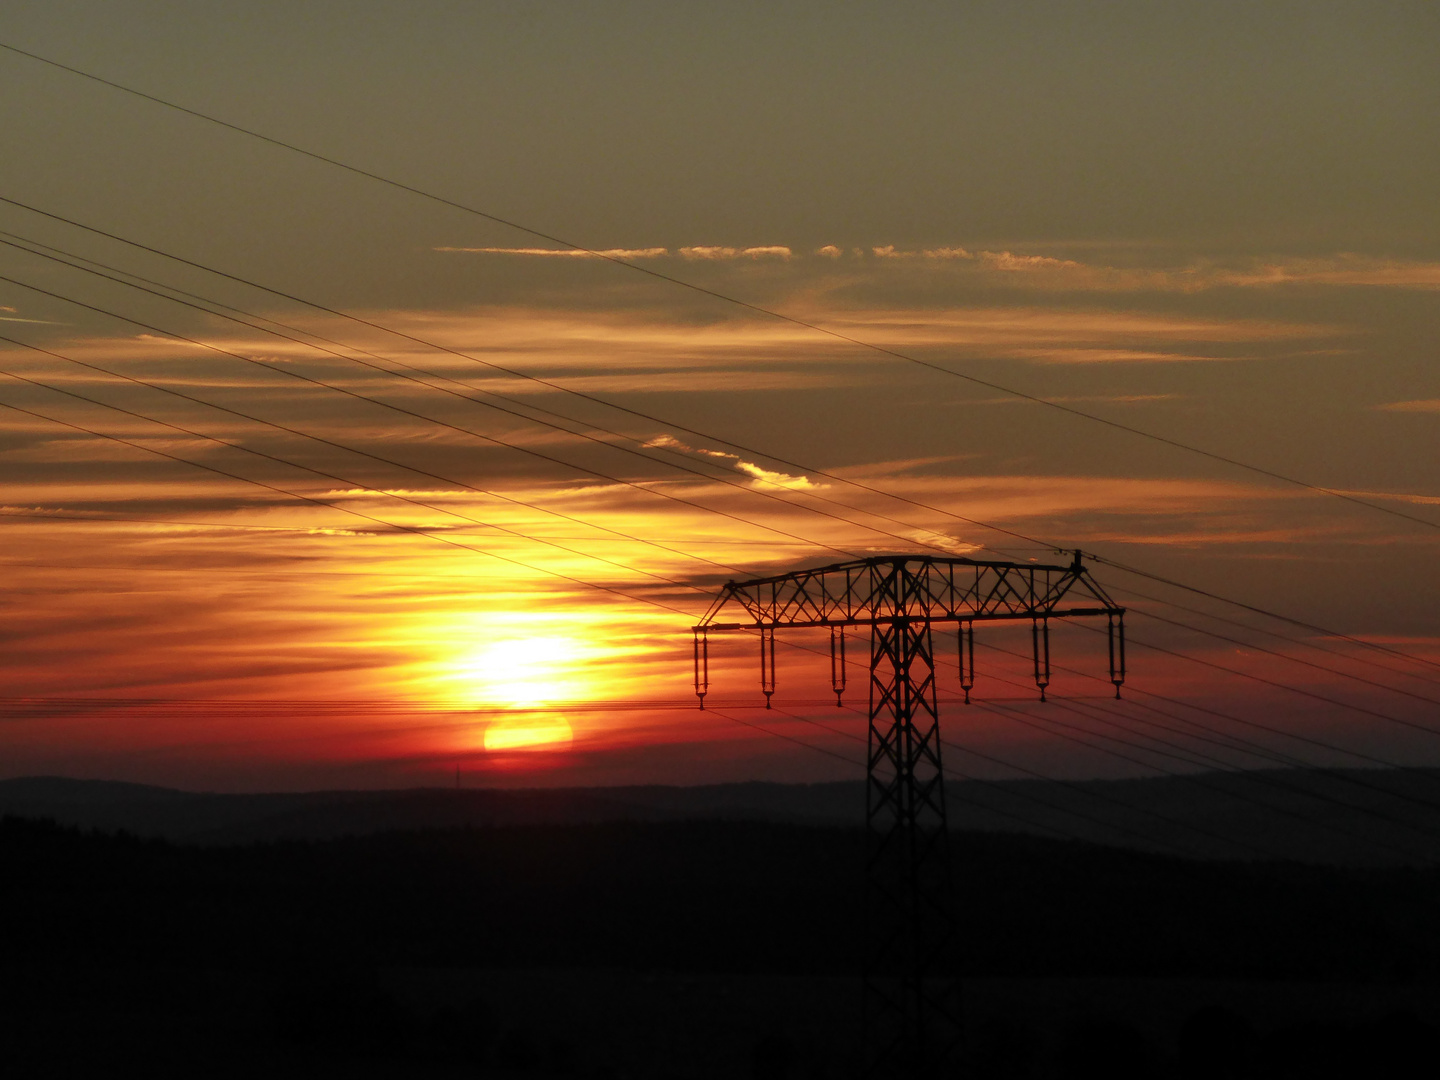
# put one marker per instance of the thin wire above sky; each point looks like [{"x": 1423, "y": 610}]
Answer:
[{"x": 727, "y": 298}]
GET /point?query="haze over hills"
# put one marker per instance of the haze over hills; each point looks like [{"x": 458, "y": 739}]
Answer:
[{"x": 1340, "y": 817}]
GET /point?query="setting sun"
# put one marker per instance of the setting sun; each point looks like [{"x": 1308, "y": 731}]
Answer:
[{"x": 526, "y": 671}]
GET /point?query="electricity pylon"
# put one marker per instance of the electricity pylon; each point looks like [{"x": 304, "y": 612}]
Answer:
[{"x": 911, "y": 995}]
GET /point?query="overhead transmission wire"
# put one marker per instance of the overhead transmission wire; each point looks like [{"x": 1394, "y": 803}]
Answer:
[
  {"x": 814, "y": 327},
  {"x": 1306, "y": 642},
  {"x": 1325, "y": 699},
  {"x": 356, "y": 484},
  {"x": 412, "y": 413},
  {"x": 272, "y": 487},
  {"x": 1191, "y": 758},
  {"x": 64, "y": 258},
  {"x": 1108, "y": 717},
  {"x": 221, "y": 442},
  {"x": 1084, "y": 737},
  {"x": 335, "y": 506},
  {"x": 1292, "y": 659},
  {"x": 164, "y": 389},
  {"x": 804, "y": 468},
  {"x": 269, "y": 456},
  {"x": 370, "y": 517},
  {"x": 279, "y": 490},
  {"x": 573, "y": 551},
  {"x": 188, "y": 397},
  {"x": 399, "y": 409},
  {"x": 718, "y": 473},
  {"x": 741, "y": 303},
  {"x": 96, "y": 517},
  {"x": 1359, "y": 755},
  {"x": 757, "y": 727},
  {"x": 290, "y": 430},
  {"x": 337, "y": 478},
  {"x": 648, "y": 457},
  {"x": 1139, "y": 809},
  {"x": 1098, "y": 558},
  {"x": 1247, "y": 745},
  {"x": 1299, "y": 623},
  {"x": 717, "y": 295},
  {"x": 1186, "y": 756}
]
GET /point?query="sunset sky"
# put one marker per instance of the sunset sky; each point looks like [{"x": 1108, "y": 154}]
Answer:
[{"x": 1218, "y": 223}]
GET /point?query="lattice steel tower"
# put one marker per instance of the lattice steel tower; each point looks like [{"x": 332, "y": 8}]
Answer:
[{"x": 911, "y": 1006}]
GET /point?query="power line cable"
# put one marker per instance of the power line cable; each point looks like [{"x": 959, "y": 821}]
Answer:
[
  {"x": 1286, "y": 687},
  {"x": 726, "y": 298},
  {"x": 1304, "y": 642},
  {"x": 804, "y": 468},
  {"x": 175, "y": 457},
  {"x": 1338, "y": 774},
  {"x": 1284, "y": 656},
  {"x": 1077, "y": 412},
  {"x": 687, "y": 468},
  {"x": 353, "y": 484},
  {"x": 343, "y": 480},
  {"x": 345, "y": 509},
  {"x": 1192, "y": 757},
  {"x": 1259, "y": 610},
  {"x": 320, "y": 502},
  {"x": 1105, "y": 716},
  {"x": 410, "y": 413},
  {"x": 717, "y": 295},
  {"x": 717, "y": 471}
]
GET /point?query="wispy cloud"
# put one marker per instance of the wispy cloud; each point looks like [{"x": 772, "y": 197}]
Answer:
[
  {"x": 1108, "y": 356},
  {"x": 768, "y": 251},
  {"x": 565, "y": 253},
  {"x": 1048, "y": 272},
  {"x": 998, "y": 260},
  {"x": 1422, "y": 405},
  {"x": 700, "y": 252},
  {"x": 764, "y": 478},
  {"x": 1394, "y": 496}
]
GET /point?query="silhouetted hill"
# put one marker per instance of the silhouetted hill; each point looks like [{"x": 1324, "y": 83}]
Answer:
[
  {"x": 1339, "y": 817},
  {"x": 690, "y": 948},
  {"x": 702, "y": 896}
]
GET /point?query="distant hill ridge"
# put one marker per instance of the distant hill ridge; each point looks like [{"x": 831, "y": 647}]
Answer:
[{"x": 1343, "y": 817}]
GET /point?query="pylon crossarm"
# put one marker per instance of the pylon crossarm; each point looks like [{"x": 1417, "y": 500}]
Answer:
[{"x": 930, "y": 588}]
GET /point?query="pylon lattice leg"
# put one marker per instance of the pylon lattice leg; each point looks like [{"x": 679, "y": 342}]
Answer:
[{"x": 911, "y": 994}]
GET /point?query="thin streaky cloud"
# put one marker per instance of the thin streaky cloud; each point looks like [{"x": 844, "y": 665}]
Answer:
[
  {"x": 703, "y": 252},
  {"x": 718, "y": 253},
  {"x": 764, "y": 478},
  {"x": 1049, "y": 272},
  {"x": 1073, "y": 399},
  {"x": 1395, "y": 496},
  {"x": 564, "y": 253},
  {"x": 1423, "y": 405},
  {"x": 1080, "y": 355}
]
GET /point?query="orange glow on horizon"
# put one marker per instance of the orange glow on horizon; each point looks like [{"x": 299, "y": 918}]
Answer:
[{"x": 531, "y": 733}]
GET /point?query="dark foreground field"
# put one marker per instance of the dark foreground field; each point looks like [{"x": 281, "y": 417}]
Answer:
[{"x": 703, "y": 949}]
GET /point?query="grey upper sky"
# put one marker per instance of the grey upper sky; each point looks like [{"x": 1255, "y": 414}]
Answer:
[{"x": 1300, "y": 127}]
